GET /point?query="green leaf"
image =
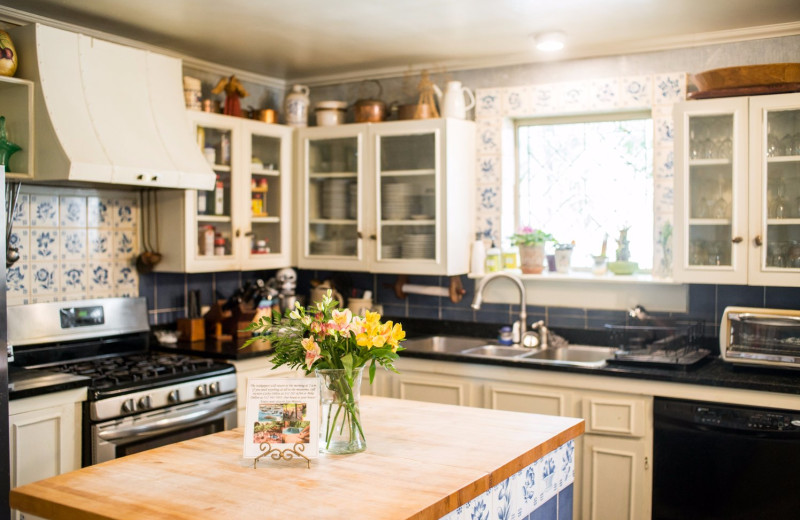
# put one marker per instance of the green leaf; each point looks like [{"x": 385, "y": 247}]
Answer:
[{"x": 372, "y": 372}]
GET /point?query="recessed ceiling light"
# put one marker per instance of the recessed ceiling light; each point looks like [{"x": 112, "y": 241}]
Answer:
[{"x": 549, "y": 41}]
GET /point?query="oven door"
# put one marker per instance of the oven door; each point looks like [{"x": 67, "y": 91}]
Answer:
[{"x": 120, "y": 437}]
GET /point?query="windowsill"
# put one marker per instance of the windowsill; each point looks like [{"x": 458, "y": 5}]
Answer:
[
  {"x": 586, "y": 276},
  {"x": 583, "y": 290}
]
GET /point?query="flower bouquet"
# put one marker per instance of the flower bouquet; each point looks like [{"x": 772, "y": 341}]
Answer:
[{"x": 336, "y": 346}]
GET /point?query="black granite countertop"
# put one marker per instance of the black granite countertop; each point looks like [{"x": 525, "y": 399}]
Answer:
[
  {"x": 228, "y": 350},
  {"x": 32, "y": 382},
  {"x": 711, "y": 371}
]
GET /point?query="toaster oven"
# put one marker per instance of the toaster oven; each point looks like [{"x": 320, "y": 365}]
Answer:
[{"x": 758, "y": 336}]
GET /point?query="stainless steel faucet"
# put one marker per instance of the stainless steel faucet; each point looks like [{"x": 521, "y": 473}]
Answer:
[{"x": 521, "y": 324}]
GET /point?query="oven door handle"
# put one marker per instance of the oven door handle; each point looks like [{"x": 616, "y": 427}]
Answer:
[
  {"x": 776, "y": 321},
  {"x": 167, "y": 424}
]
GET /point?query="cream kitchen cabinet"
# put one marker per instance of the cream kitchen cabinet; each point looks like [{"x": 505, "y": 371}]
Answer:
[
  {"x": 44, "y": 437},
  {"x": 244, "y": 223},
  {"x": 616, "y": 474},
  {"x": 393, "y": 197},
  {"x": 737, "y": 190}
]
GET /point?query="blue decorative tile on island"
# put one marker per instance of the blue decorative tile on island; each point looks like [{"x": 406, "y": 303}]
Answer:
[{"x": 541, "y": 491}]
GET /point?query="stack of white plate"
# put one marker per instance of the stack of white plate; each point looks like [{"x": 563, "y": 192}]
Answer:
[
  {"x": 398, "y": 200},
  {"x": 352, "y": 206},
  {"x": 334, "y": 198},
  {"x": 418, "y": 245},
  {"x": 390, "y": 251}
]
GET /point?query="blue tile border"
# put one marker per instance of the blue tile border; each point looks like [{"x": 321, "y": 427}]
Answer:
[{"x": 166, "y": 291}]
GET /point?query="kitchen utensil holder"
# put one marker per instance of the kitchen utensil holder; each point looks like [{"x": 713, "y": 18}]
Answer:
[
  {"x": 191, "y": 329},
  {"x": 285, "y": 454}
]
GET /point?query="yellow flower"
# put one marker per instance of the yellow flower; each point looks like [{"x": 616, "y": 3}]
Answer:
[{"x": 396, "y": 336}]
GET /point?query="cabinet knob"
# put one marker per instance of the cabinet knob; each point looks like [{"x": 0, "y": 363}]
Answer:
[
  {"x": 757, "y": 241},
  {"x": 249, "y": 233},
  {"x": 373, "y": 237},
  {"x": 736, "y": 240},
  {"x": 238, "y": 233},
  {"x": 154, "y": 178},
  {"x": 140, "y": 177},
  {"x": 359, "y": 235}
]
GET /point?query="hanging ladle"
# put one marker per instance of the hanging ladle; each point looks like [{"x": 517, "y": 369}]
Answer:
[{"x": 149, "y": 257}]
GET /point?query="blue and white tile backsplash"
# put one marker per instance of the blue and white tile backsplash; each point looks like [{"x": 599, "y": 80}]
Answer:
[
  {"x": 544, "y": 487},
  {"x": 73, "y": 245}
]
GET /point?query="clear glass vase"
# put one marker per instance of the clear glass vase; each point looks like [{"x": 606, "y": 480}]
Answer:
[{"x": 340, "y": 429}]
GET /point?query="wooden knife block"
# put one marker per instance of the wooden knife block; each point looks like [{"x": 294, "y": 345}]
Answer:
[{"x": 192, "y": 329}]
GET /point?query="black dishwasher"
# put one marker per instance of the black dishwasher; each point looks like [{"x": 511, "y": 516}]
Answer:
[{"x": 714, "y": 461}]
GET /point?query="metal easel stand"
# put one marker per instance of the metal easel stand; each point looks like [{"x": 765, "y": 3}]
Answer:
[{"x": 285, "y": 454}]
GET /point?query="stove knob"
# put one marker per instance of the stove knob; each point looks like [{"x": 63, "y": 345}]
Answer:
[
  {"x": 213, "y": 388},
  {"x": 174, "y": 396},
  {"x": 127, "y": 406},
  {"x": 144, "y": 403},
  {"x": 202, "y": 391}
]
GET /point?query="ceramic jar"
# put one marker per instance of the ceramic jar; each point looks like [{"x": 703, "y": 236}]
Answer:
[
  {"x": 8, "y": 55},
  {"x": 330, "y": 113},
  {"x": 295, "y": 106}
]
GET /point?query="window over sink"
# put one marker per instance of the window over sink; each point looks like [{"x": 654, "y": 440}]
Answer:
[{"x": 585, "y": 177}]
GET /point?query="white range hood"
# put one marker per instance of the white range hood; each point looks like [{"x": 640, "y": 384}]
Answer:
[{"x": 107, "y": 113}]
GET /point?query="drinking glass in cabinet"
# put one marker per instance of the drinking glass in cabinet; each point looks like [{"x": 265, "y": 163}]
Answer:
[{"x": 710, "y": 137}]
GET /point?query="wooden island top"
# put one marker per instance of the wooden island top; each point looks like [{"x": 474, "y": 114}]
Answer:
[{"x": 422, "y": 461}]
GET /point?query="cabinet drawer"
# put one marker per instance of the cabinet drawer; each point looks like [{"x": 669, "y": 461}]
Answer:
[{"x": 611, "y": 414}]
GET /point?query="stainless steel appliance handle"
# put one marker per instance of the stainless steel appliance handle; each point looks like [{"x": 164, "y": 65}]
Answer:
[
  {"x": 167, "y": 424},
  {"x": 778, "y": 321}
]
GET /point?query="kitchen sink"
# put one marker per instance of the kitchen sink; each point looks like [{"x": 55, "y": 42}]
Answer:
[
  {"x": 443, "y": 344},
  {"x": 501, "y": 351},
  {"x": 573, "y": 355},
  {"x": 570, "y": 355}
]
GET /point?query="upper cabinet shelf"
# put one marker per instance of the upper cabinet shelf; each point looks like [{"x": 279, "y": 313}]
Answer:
[{"x": 16, "y": 104}]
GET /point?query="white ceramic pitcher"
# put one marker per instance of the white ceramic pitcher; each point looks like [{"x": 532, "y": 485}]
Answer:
[
  {"x": 452, "y": 102},
  {"x": 296, "y": 106}
]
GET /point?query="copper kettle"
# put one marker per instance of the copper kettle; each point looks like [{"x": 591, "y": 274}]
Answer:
[{"x": 370, "y": 110}]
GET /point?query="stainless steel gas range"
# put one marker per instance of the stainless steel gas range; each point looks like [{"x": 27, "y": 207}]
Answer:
[{"x": 138, "y": 398}]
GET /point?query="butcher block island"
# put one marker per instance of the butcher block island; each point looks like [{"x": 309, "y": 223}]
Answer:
[{"x": 423, "y": 461}]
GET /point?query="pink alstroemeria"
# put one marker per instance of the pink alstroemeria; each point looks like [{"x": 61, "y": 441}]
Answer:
[
  {"x": 312, "y": 350},
  {"x": 340, "y": 321}
]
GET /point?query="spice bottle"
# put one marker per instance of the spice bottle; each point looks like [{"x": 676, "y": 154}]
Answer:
[
  {"x": 493, "y": 260},
  {"x": 219, "y": 197},
  {"x": 219, "y": 245},
  {"x": 207, "y": 240}
]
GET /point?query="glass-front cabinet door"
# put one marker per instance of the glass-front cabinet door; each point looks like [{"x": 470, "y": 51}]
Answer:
[
  {"x": 775, "y": 189},
  {"x": 214, "y": 209},
  {"x": 244, "y": 222},
  {"x": 711, "y": 191},
  {"x": 333, "y": 204},
  {"x": 406, "y": 196},
  {"x": 266, "y": 231}
]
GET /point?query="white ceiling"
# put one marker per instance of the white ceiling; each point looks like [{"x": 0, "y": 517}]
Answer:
[{"x": 314, "y": 40}]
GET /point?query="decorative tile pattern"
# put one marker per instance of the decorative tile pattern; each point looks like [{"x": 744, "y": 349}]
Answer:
[
  {"x": 73, "y": 246},
  {"x": 487, "y": 102},
  {"x": 669, "y": 88},
  {"x": 44, "y": 244},
  {"x": 44, "y": 210},
  {"x": 73, "y": 212},
  {"x": 489, "y": 136},
  {"x": 636, "y": 92},
  {"x": 516, "y": 101},
  {"x": 531, "y": 489}
]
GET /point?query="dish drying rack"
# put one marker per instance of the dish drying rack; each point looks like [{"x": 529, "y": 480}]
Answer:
[{"x": 658, "y": 342}]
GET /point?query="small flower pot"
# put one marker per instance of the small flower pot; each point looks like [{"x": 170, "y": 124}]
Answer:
[{"x": 531, "y": 258}]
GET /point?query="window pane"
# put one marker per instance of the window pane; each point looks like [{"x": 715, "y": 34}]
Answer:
[{"x": 579, "y": 181}]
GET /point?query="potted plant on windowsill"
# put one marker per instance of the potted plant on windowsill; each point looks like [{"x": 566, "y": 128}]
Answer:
[{"x": 531, "y": 248}]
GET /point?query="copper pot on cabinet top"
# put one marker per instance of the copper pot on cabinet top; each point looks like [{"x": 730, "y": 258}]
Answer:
[{"x": 370, "y": 110}]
